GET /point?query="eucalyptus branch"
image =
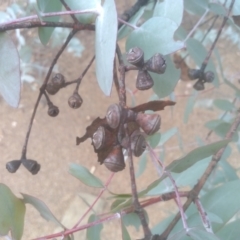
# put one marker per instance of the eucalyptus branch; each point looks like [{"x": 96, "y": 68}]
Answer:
[
  {"x": 167, "y": 173},
  {"x": 121, "y": 82},
  {"x": 42, "y": 90},
  {"x": 203, "y": 215},
  {"x": 137, "y": 207},
  {"x": 196, "y": 25},
  {"x": 35, "y": 24},
  {"x": 51, "y": 14},
  {"x": 197, "y": 188},
  {"x": 84, "y": 72},
  {"x": 205, "y": 62},
  {"x": 97, "y": 198}
]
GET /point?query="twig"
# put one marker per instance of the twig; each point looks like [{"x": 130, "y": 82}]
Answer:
[
  {"x": 196, "y": 190},
  {"x": 196, "y": 25},
  {"x": 97, "y": 198},
  {"x": 203, "y": 215},
  {"x": 36, "y": 24},
  {"x": 83, "y": 74},
  {"x": 42, "y": 90},
  {"x": 205, "y": 62},
  {"x": 222, "y": 117},
  {"x": 51, "y": 14},
  {"x": 121, "y": 82},
  {"x": 137, "y": 207},
  {"x": 69, "y": 9}
]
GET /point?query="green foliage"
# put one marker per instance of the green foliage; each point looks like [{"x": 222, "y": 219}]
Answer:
[
  {"x": 105, "y": 45},
  {"x": 83, "y": 174},
  {"x": 42, "y": 208},
  {"x": 85, "y": 5},
  {"x": 94, "y": 233},
  {"x": 9, "y": 71},
  {"x": 47, "y": 6},
  {"x": 195, "y": 155},
  {"x": 156, "y": 28},
  {"x": 12, "y": 211}
]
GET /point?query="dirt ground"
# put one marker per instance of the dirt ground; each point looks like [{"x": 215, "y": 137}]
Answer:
[{"x": 52, "y": 143}]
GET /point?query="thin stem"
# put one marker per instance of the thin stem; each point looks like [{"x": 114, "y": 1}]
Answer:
[
  {"x": 51, "y": 14},
  {"x": 35, "y": 24},
  {"x": 203, "y": 215},
  {"x": 127, "y": 24},
  {"x": 205, "y": 62},
  {"x": 138, "y": 209},
  {"x": 121, "y": 82},
  {"x": 178, "y": 200},
  {"x": 196, "y": 190},
  {"x": 196, "y": 25},
  {"x": 42, "y": 90},
  {"x": 97, "y": 198},
  {"x": 69, "y": 9},
  {"x": 79, "y": 80}
]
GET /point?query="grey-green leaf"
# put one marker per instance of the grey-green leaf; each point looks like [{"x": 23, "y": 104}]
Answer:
[
  {"x": 171, "y": 9},
  {"x": 94, "y": 232},
  {"x": 167, "y": 135},
  {"x": 125, "y": 234},
  {"x": 141, "y": 165},
  {"x": 154, "y": 37},
  {"x": 12, "y": 212},
  {"x": 132, "y": 219},
  {"x": 195, "y": 155},
  {"x": 83, "y": 174},
  {"x": 230, "y": 231},
  {"x": 84, "y": 5},
  {"x": 10, "y": 82},
  {"x": 200, "y": 234},
  {"x": 126, "y": 30},
  {"x": 224, "y": 104},
  {"x": 42, "y": 208},
  {"x": 219, "y": 199},
  {"x": 48, "y": 6},
  {"x": 164, "y": 84},
  {"x": 105, "y": 45}
]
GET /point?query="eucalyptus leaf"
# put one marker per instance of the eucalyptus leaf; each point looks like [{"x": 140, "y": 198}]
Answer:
[
  {"x": 171, "y": 9},
  {"x": 187, "y": 178},
  {"x": 217, "y": 9},
  {"x": 83, "y": 174},
  {"x": 224, "y": 104},
  {"x": 125, "y": 30},
  {"x": 164, "y": 84},
  {"x": 48, "y": 6},
  {"x": 221, "y": 128},
  {"x": 195, "y": 6},
  {"x": 105, "y": 45},
  {"x": 236, "y": 6},
  {"x": 167, "y": 135},
  {"x": 12, "y": 215},
  {"x": 132, "y": 219},
  {"x": 154, "y": 139},
  {"x": 154, "y": 37},
  {"x": 200, "y": 234},
  {"x": 94, "y": 232},
  {"x": 195, "y": 155},
  {"x": 10, "y": 82},
  {"x": 141, "y": 165},
  {"x": 84, "y": 5},
  {"x": 230, "y": 231},
  {"x": 125, "y": 234},
  {"x": 198, "y": 52},
  {"x": 42, "y": 208}
]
